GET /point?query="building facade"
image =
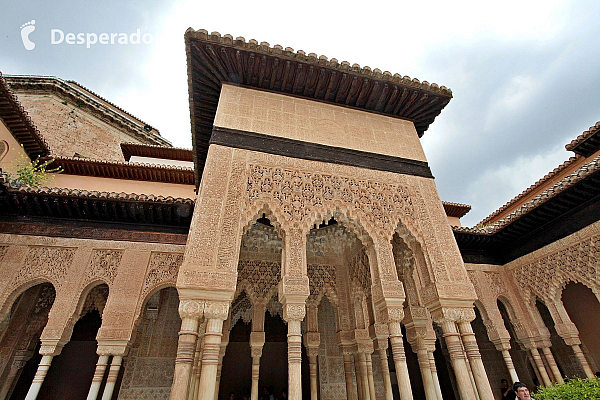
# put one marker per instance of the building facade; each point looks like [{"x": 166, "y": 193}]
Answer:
[{"x": 300, "y": 246}]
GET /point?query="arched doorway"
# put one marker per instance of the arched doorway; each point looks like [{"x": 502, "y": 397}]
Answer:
[
  {"x": 584, "y": 311},
  {"x": 19, "y": 341},
  {"x": 148, "y": 368}
]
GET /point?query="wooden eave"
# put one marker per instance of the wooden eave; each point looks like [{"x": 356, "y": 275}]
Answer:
[
  {"x": 119, "y": 170},
  {"x": 81, "y": 205},
  {"x": 19, "y": 124},
  {"x": 213, "y": 60},
  {"x": 560, "y": 211},
  {"x": 456, "y": 209},
  {"x": 587, "y": 143},
  {"x": 146, "y": 150}
]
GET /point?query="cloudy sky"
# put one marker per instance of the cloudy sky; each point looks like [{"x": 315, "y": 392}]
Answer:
[{"x": 525, "y": 74}]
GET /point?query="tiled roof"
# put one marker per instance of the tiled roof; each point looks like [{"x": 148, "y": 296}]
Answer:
[
  {"x": 530, "y": 189},
  {"x": 125, "y": 170},
  {"x": 569, "y": 181},
  {"x": 587, "y": 143},
  {"x": 214, "y": 59},
  {"x": 154, "y": 151},
  {"x": 19, "y": 123},
  {"x": 456, "y": 209}
]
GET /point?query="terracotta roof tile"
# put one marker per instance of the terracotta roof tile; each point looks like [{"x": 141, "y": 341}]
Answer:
[
  {"x": 586, "y": 143},
  {"x": 155, "y": 151},
  {"x": 567, "y": 182},
  {"x": 456, "y": 209},
  {"x": 530, "y": 189}
]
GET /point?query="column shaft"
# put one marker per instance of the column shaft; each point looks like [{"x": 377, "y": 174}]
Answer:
[
  {"x": 111, "y": 380},
  {"x": 294, "y": 360},
  {"x": 457, "y": 358},
  {"x": 255, "y": 376},
  {"x": 186, "y": 348},
  {"x": 510, "y": 366},
  {"x": 39, "y": 377},
  {"x": 98, "y": 377},
  {"x": 425, "y": 367},
  {"x": 210, "y": 359},
  {"x": 312, "y": 359},
  {"x": 359, "y": 382},
  {"x": 348, "y": 376},
  {"x": 436, "y": 381},
  {"x": 364, "y": 379},
  {"x": 540, "y": 366},
  {"x": 470, "y": 344},
  {"x": 552, "y": 364},
  {"x": 370, "y": 378},
  {"x": 400, "y": 361},
  {"x": 582, "y": 360},
  {"x": 385, "y": 371}
]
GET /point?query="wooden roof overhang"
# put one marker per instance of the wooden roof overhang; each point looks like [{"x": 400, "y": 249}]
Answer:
[
  {"x": 567, "y": 207},
  {"x": 121, "y": 170},
  {"x": 21, "y": 204},
  {"x": 587, "y": 143},
  {"x": 147, "y": 150},
  {"x": 456, "y": 209},
  {"x": 214, "y": 59},
  {"x": 19, "y": 124}
]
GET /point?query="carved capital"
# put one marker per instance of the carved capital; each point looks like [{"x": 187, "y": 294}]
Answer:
[
  {"x": 453, "y": 314},
  {"x": 294, "y": 311},
  {"x": 394, "y": 314},
  {"x": 257, "y": 339},
  {"x": 312, "y": 339},
  {"x": 193, "y": 309},
  {"x": 216, "y": 310}
]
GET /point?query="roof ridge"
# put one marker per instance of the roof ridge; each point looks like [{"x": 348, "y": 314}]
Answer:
[
  {"x": 583, "y": 137},
  {"x": 312, "y": 58},
  {"x": 111, "y": 114},
  {"x": 16, "y": 186},
  {"x": 125, "y": 163},
  {"x": 577, "y": 175},
  {"x": 155, "y": 146},
  {"x": 534, "y": 186}
]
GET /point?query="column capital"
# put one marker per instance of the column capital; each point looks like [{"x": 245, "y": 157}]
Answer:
[
  {"x": 191, "y": 309},
  {"x": 294, "y": 311},
  {"x": 51, "y": 347},
  {"x": 453, "y": 314},
  {"x": 312, "y": 339},
  {"x": 113, "y": 347},
  {"x": 216, "y": 309},
  {"x": 379, "y": 331}
]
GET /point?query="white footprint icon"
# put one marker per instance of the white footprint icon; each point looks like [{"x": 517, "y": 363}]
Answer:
[{"x": 26, "y": 29}]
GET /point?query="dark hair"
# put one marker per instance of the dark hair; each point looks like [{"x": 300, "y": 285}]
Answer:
[
  {"x": 518, "y": 385},
  {"x": 503, "y": 380}
]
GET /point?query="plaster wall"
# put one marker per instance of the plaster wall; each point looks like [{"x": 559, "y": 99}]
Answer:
[
  {"x": 69, "y": 129},
  {"x": 121, "y": 186},
  {"x": 311, "y": 121},
  {"x": 11, "y": 151}
]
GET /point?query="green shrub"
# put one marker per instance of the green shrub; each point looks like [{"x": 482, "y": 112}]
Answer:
[
  {"x": 32, "y": 173},
  {"x": 574, "y": 389}
]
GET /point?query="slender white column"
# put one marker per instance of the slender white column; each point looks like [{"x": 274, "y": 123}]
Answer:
[
  {"x": 113, "y": 373},
  {"x": 210, "y": 358},
  {"x": 436, "y": 380},
  {"x": 360, "y": 394},
  {"x": 98, "y": 377},
  {"x": 385, "y": 369},
  {"x": 370, "y": 378},
  {"x": 364, "y": 379},
  {"x": 470, "y": 344},
  {"x": 400, "y": 360},
  {"x": 348, "y": 367},
  {"x": 540, "y": 366},
  {"x": 257, "y": 341},
  {"x": 313, "y": 352},
  {"x": 294, "y": 360},
  {"x": 425, "y": 367},
  {"x": 552, "y": 364},
  {"x": 39, "y": 377},
  {"x": 582, "y": 360},
  {"x": 510, "y": 366},
  {"x": 190, "y": 312},
  {"x": 457, "y": 358}
]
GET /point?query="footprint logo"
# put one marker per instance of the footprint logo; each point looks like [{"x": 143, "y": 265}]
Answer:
[{"x": 26, "y": 29}]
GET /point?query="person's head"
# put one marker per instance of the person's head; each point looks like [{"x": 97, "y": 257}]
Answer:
[
  {"x": 521, "y": 391},
  {"x": 504, "y": 383},
  {"x": 231, "y": 395}
]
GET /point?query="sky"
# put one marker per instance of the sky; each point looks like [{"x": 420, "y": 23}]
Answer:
[{"x": 525, "y": 75}]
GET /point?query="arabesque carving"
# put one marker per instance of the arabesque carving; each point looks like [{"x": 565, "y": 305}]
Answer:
[
  {"x": 104, "y": 265},
  {"x": 162, "y": 270},
  {"x": 49, "y": 262}
]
